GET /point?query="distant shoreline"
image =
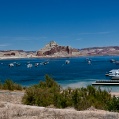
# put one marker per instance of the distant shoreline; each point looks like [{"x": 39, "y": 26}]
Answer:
[{"x": 7, "y": 58}]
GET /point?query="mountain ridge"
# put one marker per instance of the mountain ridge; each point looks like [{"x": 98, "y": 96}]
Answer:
[{"x": 52, "y": 49}]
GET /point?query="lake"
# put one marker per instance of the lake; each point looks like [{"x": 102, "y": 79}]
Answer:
[{"x": 78, "y": 73}]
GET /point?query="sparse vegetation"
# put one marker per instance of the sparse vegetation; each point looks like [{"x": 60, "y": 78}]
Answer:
[
  {"x": 48, "y": 93},
  {"x": 10, "y": 85}
]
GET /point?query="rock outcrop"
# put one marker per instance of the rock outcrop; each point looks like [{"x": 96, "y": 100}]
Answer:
[
  {"x": 16, "y": 54},
  {"x": 53, "y": 49},
  {"x": 110, "y": 50}
]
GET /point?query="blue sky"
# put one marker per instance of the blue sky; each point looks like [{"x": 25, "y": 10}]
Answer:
[{"x": 31, "y": 24}]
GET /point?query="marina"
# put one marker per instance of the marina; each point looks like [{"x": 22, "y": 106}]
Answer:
[{"x": 114, "y": 78}]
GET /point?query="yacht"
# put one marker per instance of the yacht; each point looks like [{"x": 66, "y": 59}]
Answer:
[{"x": 113, "y": 74}]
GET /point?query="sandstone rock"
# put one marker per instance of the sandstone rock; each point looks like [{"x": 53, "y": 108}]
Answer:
[{"x": 53, "y": 49}]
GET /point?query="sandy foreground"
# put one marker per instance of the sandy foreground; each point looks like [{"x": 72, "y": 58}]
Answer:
[{"x": 11, "y": 108}]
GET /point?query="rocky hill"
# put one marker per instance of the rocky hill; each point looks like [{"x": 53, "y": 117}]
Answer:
[
  {"x": 111, "y": 50},
  {"x": 55, "y": 50},
  {"x": 16, "y": 54},
  {"x": 52, "y": 49}
]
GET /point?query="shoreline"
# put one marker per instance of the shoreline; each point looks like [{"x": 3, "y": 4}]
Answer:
[{"x": 16, "y": 57}]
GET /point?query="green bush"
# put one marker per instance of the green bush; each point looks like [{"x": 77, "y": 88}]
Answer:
[
  {"x": 42, "y": 94},
  {"x": 48, "y": 93},
  {"x": 10, "y": 85},
  {"x": 113, "y": 104}
]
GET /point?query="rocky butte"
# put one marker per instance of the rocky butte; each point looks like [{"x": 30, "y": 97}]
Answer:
[{"x": 52, "y": 49}]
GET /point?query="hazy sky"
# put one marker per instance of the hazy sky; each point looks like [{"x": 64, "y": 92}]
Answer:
[{"x": 31, "y": 24}]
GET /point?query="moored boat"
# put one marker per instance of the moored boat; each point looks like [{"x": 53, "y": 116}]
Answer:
[
  {"x": 67, "y": 62},
  {"x": 29, "y": 65},
  {"x": 114, "y": 78}
]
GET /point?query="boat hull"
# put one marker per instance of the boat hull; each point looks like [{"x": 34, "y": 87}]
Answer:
[{"x": 115, "y": 78}]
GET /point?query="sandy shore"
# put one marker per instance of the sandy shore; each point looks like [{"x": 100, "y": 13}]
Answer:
[
  {"x": 14, "y": 57},
  {"x": 115, "y": 94}
]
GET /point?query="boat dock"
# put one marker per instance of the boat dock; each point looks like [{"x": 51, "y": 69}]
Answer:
[{"x": 106, "y": 82}]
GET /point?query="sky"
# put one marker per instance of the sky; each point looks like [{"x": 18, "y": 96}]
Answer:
[{"x": 31, "y": 24}]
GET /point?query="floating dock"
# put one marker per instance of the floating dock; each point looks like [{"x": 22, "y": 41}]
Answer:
[{"x": 106, "y": 82}]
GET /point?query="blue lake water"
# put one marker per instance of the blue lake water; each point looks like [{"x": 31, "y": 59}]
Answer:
[{"x": 77, "y": 73}]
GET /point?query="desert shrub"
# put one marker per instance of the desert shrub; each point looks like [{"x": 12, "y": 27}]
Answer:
[
  {"x": 10, "y": 85},
  {"x": 113, "y": 104},
  {"x": 0, "y": 85},
  {"x": 17, "y": 87},
  {"x": 42, "y": 94},
  {"x": 48, "y": 92}
]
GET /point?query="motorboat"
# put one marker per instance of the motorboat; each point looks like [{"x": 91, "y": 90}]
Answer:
[
  {"x": 114, "y": 74},
  {"x": 67, "y": 62},
  {"x": 112, "y": 61},
  {"x": 11, "y": 65},
  {"x": 44, "y": 63},
  {"x": 89, "y": 62},
  {"x": 36, "y": 64},
  {"x": 29, "y": 65},
  {"x": 17, "y": 64}
]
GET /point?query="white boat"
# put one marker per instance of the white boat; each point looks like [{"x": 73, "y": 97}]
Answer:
[
  {"x": 46, "y": 62},
  {"x": 67, "y": 62},
  {"x": 11, "y": 65},
  {"x": 112, "y": 61},
  {"x": 36, "y": 64},
  {"x": 29, "y": 65},
  {"x": 114, "y": 74},
  {"x": 89, "y": 62}
]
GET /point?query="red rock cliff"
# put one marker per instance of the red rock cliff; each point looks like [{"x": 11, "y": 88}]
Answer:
[{"x": 53, "y": 49}]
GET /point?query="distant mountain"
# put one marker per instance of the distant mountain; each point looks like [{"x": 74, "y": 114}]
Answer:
[
  {"x": 17, "y": 53},
  {"x": 110, "y": 50},
  {"x": 52, "y": 49}
]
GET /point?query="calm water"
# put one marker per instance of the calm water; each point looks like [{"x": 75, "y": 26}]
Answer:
[{"x": 77, "y": 73}]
